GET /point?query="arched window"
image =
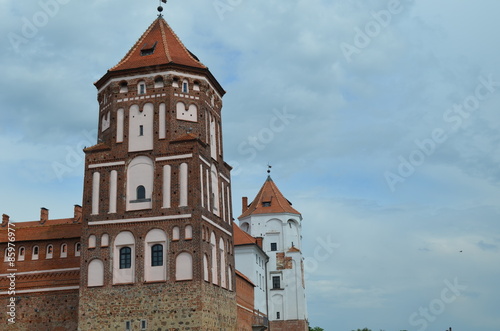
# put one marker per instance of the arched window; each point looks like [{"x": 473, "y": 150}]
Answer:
[
  {"x": 184, "y": 266},
  {"x": 34, "y": 253},
  {"x": 175, "y": 233},
  {"x": 157, "y": 255},
  {"x": 159, "y": 82},
  {"x": 64, "y": 250},
  {"x": 123, "y": 87},
  {"x": 50, "y": 251},
  {"x": 95, "y": 273},
  {"x": 188, "y": 232},
  {"x": 105, "y": 240},
  {"x": 141, "y": 87},
  {"x": 140, "y": 176},
  {"x": 78, "y": 249},
  {"x": 125, "y": 258},
  {"x": 141, "y": 192},
  {"x": 22, "y": 253},
  {"x": 222, "y": 252},
  {"x": 92, "y": 241},
  {"x": 213, "y": 243},
  {"x": 205, "y": 268}
]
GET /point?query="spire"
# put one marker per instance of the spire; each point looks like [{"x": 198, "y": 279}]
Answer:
[
  {"x": 269, "y": 200},
  {"x": 158, "y": 45}
]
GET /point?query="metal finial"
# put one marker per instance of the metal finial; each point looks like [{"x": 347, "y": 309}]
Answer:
[
  {"x": 269, "y": 168},
  {"x": 160, "y": 8}
]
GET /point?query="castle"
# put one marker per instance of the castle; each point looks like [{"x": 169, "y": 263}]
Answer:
[{"x": 154, "y": 245}]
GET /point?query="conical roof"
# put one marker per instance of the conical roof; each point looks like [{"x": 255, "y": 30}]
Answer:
[
  {"x": 269, "y": 200},
  {"x": 158, "y": 45}
]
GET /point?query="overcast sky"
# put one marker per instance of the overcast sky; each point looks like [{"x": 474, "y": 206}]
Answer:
[{"x": 380, "y": 120}]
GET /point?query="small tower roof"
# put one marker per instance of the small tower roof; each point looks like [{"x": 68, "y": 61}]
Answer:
[
  {"x": 269, "y": 200},
  {"x": 158, "y": 45}
]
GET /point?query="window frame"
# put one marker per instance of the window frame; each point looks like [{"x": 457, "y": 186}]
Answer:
[
  {"x": 276, "y": 282},
  {"x": 157, "y": 255},
  {"x": 274, "y": 246},
  {"x": 125, "y": 256}
]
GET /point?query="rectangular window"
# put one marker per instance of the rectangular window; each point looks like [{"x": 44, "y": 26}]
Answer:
[
  {"x": 125, "y": 258},
  {"x": 141, "y": 130},
  {"x": 185, "y": 87},
  {"x": 277, "y": 315},
  {"x": 142, "y": 89},
  {"x": 274, "y": 247},
  {"x": 276, "y": 282},
  {"x": 157, "y": 255},
  {"x": 144, "y": 325},
  {"x": 128, "y": 326}
]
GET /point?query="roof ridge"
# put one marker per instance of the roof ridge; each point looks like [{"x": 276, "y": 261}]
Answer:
[
  {"x": 165, "y": 44},
  {"x": 136, "y": 44},
  {"x": 182, "y": 44}
]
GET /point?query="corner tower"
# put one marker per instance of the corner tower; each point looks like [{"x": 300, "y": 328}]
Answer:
[
  {"x": 272, "y": 217},
  {"x": 157, "y": 234}
]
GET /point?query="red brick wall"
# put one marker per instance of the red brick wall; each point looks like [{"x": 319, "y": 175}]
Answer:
[
  {"x": 293, "y": 325},
  {"x": 245, "y": 301},
  {"x": 55, "y": 311}
]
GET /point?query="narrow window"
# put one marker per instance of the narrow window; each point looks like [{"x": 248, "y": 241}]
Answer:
[
  {"x": 50, "y": 251},
  {"x": 144, "y": 325},
  {"x": 274, "y": 247},
  {"x": 141, "y": 192},
  {"x": 141, "y": 130},
  {"x": 22, "y": 251},
  {"x": 125, "y": 258},
  {"x": 64, "y": 250},
  {"x": 277, "y": 315},
  {"x": 157, "y": 255},
  {"x": 185, "y": 88},
  {"x": 142, "y": 88},
  {"x": 78, "y": 248},
  {"x": 127, "y": 326},
  {"x": 35, "y": 252},
  {"x": 276, "y": 282}
]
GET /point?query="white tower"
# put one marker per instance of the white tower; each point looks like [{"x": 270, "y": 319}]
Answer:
[{"x": 272, "y": 217}]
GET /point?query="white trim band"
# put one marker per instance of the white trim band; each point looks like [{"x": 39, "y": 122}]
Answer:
[
  {"x": 216, "y": 225},
  {"x": 63, "y": 288},
  {"x": 109, "y": 164},
  {"x": 143, "y": 219},
  {"x": 174, "y": 157}
]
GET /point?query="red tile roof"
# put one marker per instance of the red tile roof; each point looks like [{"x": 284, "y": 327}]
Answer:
[
  {"x": 269, "y": 200},
  {"x": 162, "y": 46},
  {"x": 240, "y": 237},
  {"x": 51, "y": 229}
]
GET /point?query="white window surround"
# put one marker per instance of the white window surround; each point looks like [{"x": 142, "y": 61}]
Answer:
[
  {"x": 64, "y": 250},
  {"x": 123, "y": 276},
  {"x": 78, "y": 249},
  {"x": 49, "y": 251},
  {"x": 95, "y": 273},
  {"x": 184, "y": 266},
  {"x": 155, "y": 273},
  {"x": 35, "y": 251}
]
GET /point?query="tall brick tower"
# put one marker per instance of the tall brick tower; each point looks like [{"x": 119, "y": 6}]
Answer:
[{"x": 157, "y": 245}]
